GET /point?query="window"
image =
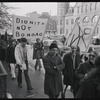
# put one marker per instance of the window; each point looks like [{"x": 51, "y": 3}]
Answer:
[
  {"x": 61, "y": 31},
  {"x": 82, "y": 9},
  {"x": 72, "y": 21},
  {"x": 60, "y": 22},
  {"x": 66, "y": 31},
  {"x": 90, "y": 6},
  {"x": 67, "y": 22},
  {"x": 77, "y": 19},
  {"x": 61, "y": 11},
  {"x": 95, "y": 5},
  {"x": 86, "y": 20},
  {"x": 78, "y": 10},
  {"x": 86, "y": 8},
  {"x": 95, "y": 18}
]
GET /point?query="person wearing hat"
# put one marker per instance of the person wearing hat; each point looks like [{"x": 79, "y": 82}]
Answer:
[
  {"x": 22, "y": 59},
  {"x": 90, "y": 85},
  {"x": 53, "y": 66},
  {"x": 85, "y": 67}
]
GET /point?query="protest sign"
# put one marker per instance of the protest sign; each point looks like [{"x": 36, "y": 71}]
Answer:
[{"x": 30, "y": 28}]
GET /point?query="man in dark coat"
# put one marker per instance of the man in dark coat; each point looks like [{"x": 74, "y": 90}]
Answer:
[
  {"x": 53, "y": 66},
  {"x": 38, "y": 53},
  {"x": 84, "y": 68},
  {"x": 90, "y": 85},
  {"x": 70, "y": 66}
]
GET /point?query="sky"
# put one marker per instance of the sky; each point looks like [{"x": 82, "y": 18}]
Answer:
[{"x": 27, "y": 7}]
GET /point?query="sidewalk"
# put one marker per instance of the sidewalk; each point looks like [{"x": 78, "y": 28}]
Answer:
[{"x": 37, "y": 80}]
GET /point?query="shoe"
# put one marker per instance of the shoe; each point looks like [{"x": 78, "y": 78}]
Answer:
[
  {"x": 19, "y": 85},
  {"x": 13, "y": 78},
  {"x": 30, "y": 89}
]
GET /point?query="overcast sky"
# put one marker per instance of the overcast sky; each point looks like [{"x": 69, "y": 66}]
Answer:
[{"x": 26, "y": 7}]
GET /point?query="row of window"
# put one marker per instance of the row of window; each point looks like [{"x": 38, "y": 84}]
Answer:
[
  {"x": 85, "y": 20},
  {"x": 87, "y": 8}
]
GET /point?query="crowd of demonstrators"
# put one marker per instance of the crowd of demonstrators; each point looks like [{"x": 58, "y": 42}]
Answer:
[
  {"x": 38, "y": 53},
  {"x": 81, "y": 75},
  {"x": 90, "y": 85},
  {"x": 53, "y": 66},
  {"x": 84, "y": 68}
]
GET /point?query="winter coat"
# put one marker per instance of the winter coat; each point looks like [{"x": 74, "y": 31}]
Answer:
[
  {"x": 53, "y": 78},
  {"x": 80, "y": 72},
  {"x": 68, "y": 71},
  {"x": 82, "y": 69},
  {"x": 19, "y": 54},
  {"x": 38, "y": 52},
  {"x": 90, "y": 87},
  {"x": 10, "y": 54}
]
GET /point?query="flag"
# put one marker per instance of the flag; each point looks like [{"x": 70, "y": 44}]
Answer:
[
  {"x": 81, "y": 39},
  {"x": 77, "y": 38}
]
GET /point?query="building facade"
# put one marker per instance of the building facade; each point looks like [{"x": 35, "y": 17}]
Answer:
[
  {"x": 87, "y": 14},
  {"x": 62, "y": 9},
  {"x": 51, "y": 28}
]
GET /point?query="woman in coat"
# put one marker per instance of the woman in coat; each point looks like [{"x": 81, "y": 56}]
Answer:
[
  {"x": 53, "y": 66},
  {"x": 38, "y": 53}
]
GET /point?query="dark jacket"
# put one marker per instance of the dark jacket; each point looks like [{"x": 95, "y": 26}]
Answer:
[
  {"x": 53, "y": 78},
  {"x": 82, "y": 69},
  {"x": 90, "y": 87},
  {"x": 10, "y": 54},
  {"x": 3, "y": 47},
  {"x": 68, "y": 71},
  {"x": 38, "y": 51}
]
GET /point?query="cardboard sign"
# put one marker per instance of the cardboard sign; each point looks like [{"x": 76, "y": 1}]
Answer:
[{"x": 30, "y": 28}]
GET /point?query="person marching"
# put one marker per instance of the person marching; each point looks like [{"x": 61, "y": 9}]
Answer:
[
  {"x": 38, "y": 53},
  {"x": 53, "y": 66},
  {"x": 21, "y": 56},
  {"x": 11, "y": 57}
]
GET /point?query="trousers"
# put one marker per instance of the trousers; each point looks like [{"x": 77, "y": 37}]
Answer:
[
  {"x": 12, "y": 69},
  {"x": 27, "y": 79}
]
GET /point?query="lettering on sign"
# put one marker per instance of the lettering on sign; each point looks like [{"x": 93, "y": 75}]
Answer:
[{"x": 29, "y": 28}]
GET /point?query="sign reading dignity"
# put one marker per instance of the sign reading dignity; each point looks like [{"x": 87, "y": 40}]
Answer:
[{"x": 29, "y": 28}]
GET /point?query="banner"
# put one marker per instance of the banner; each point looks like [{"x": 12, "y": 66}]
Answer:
[
  {"x": 30, "y": 28},
  {"x": 78, "y": 38}
]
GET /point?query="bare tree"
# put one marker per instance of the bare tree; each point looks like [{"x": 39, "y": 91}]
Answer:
[{"x": 5, "y": 17}]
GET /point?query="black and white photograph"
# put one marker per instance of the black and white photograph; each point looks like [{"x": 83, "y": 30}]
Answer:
[{"x": 49, "y": 50}]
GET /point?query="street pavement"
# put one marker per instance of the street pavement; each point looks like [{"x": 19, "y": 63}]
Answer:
[{"x": 37, "y": 80}]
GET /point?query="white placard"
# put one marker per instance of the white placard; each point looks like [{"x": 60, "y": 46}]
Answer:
[{"x": 30, "y": 28}]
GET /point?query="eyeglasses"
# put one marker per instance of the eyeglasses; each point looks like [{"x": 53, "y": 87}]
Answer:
[{"x": 91, "y": 55}]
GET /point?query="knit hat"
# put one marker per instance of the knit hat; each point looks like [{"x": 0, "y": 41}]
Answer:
[
  {"x": 23, "y": 40},
  {"x": 53, "y": 45}
]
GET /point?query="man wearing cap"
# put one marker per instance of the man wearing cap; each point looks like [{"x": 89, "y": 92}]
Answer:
[
  {"x": 21, "y": 56},
  {"x": 53, "y": 66}
]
